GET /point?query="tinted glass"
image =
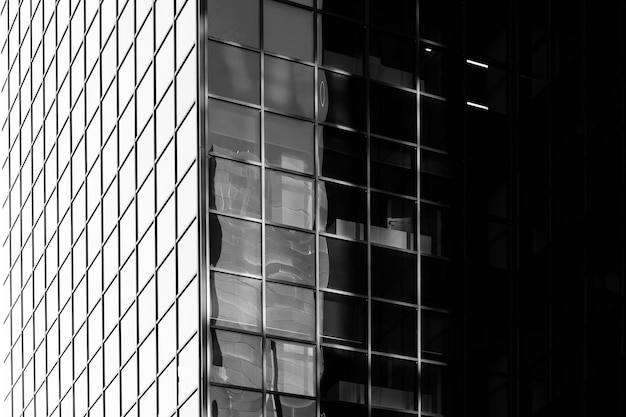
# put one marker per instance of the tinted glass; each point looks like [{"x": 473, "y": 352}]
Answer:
[
  {"x": 234, "y": 73},
  {"x": 435, "y": 389},
  {"x": 342, "y": 155},
  {"x": 343, "y": 265},
  {"x": 394, "y": 275},
  {"x": 393, "y": 167},
  {"x": 342, "y": 100},
  {"x": 342, "y": 211},
  {"x": 393, "y": 112},
  {"x": 289, "y": 255},
  {"x": 441, "y": 21},
  {"x": 392, "y": 58},
  {"x": 235, "y": 244},
  {"x": 290, "y": 311},
  {"x": 231, "y": 402},
  {"x": 289, "y": 143},
  {"x": 341, "y": 44},
  {"x": 440, "y": 232},
  {"x": 344, "y": 320},
  {"x": 349, "y": 8},
  {"x": 393, "y": 221},
  {"x": 440, "y": 128},
  {"x": 394, "y": 328},
  {"x": 344, "y": 377},
  {"x": 290, "y": 367},
  {"x": 234, "y": 20},
  {"x": 440, "y": 178},
  {"x": 288, "y": 30},
  {"x": 281, "y": 405},
  {"x": 396, "y": 15},
  {"x": 441, "y": 72},
  {"x": 234, "y": 187},
  {"x": 235, "y": 302},
  {"x": 394, "y": 383},
  {"x": 234, "y": 130},
  {"x": 289, "y": 86},
  {"x": 289, "y": 199},
  {"x": 437, "y": 334},
  {"x": 235, "y": 359}
]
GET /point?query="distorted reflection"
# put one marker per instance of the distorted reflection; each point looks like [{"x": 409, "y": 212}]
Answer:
[
  {"x": 289, "y": 255},
  {"x": 289, "y": 86},
  {"x": 290, "y": 367},
  {"x": 289, "y": 199},
  {"x": 234, "y": 130},
  {"x": 290, "y": 311},
  {"x": 234, "y": 187},
  {"x": 342, "y": 210},
  {"x": 235, "y": 302},
  {"x": 235, "y": 244},
  {"x": 235, "y": 359},
  {"x": 232, "y": 402}
]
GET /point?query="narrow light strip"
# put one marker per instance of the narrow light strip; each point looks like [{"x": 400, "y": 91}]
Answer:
[
  {"x": 478, "y": 106},
  {"x": 428, "y": 49},
  {"x": 476, "y": 63}
]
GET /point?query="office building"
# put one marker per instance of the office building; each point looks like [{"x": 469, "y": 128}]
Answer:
[{"x": 315, "y": 207}]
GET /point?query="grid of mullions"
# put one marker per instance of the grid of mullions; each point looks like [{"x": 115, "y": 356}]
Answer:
[
  {"x": 89, "y": 332},
  {"x": 273, "y": 133}
]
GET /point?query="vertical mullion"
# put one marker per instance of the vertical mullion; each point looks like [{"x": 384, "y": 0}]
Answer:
[
  {"x": 368, "y": 201},
  {"x": 316, "y": 158},
  {"x": 264, "y": 346},
  {"x": 418, "y": 195}
]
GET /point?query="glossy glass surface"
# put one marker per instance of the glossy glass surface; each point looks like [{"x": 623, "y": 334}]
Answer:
[
  {"x": 440, "y": 233},
  {"x": 288, "y": 30},
  {"x": 435, "y": 389},
  {"x": 233, "y": 402},
  {"x": 289, "y": 87},
  {"x": 290, "y": 367},
  {"x": 398, "y": 16},
  {"x": 394, "y": 383},
  {"x": 289, "y": 143},
  {"x": 235, "y": 244},
  {"x": 441, "y": 21},
  {"x": 437, "y": 334},
  {"x": 393, "y": 113},
  {"x": 289, "y": 199},
  {"x": 290, "y": 311},
  {"x": 394, "y": 275},
  {"x": 393, "y": 167},
  {"x": 343, "y": 265},
  {"x": 235, "y": 302},
  {"x": 441, "y": 72},
  {"x": 344, "y": 375},
  {"x": 341, "y": 44},
  {"x": 342, "y": 100},
  {"x": 342, "y": 155},
  {"x": 234, "y": 187},
  {"x": 354, "y": 9},
  {"x": 234, "y": 130},
  {"x": 235, "y": 359},
  {"x": 234, "y": 72},
  {"x": 281, "y": 405},
  {"x": 344, "y": 320},
  {"x": 392, "y": 58},
  {"x": 393, "y": 221},
  {"x": 438, "y": 129},
  {"x": 342, "y": 210},
  {"x": 394, "y": 328},
  {"x": 289, "y": 255},
  {"x": 234, "y": 20}
]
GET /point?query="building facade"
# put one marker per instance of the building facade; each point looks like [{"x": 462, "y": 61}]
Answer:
[{"x": 315, "y": 207}]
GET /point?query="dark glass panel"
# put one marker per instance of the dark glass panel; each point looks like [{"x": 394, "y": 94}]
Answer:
[
  {"x": 283, "y": 405},
  {"x": 438, "y": 282},
  {"x": 486, "y": 29},
  {"x": 331, "y": 409},
  {"x": 235, "y": 302},
  {"x": 393, "y": 112},
  {"x": 288, "y": 30},
  {"x": 435, "y": 387},
  {"x": 289, "y": 86},
  {"x": 394, "y": 383},
  {"x": 437, "y": 335},
  {"x": 441, "y": 72},
  {"x": 393, "y": 221},
  {"x": 393, "y": 167},
  {"x": 392, "y": 58},
  {"x": 289, "y": 143},
  {"x": 289, "y": 255},
  {"x": 487, "y": 86},
  {"x": 388, "y": 413},
  {"x": 441, "y": 233},
  {"x": 289, "y": 199},
  {"x": 354, "y": 9},
  {"x": 290, "y": 367},
  {"x": 342, "y": 210},
  {"x": 231, "y": 402},
  {"x": 235, "y": 359},
  {"x": 343, "y": 155},
  {"x": 342, "y": 100},
  {"x": 394, "y": 328},
  {"x": 341, "y": 44},
  {"x": 235, "y": 244},
  {"x": 344, "y": 320},
  {"x": 440, "y": 178},
  {"x": 441, "y": 127},
  {"x": 394, "y": 275},
  {"x": 343, "y": 265},
  {"x": 396, "y": 15},
  {"x": 234, "y": 20},
  {"x": 290, "y": 311},
  {"x": 234, "y": 130},
  {"x": 234, "y": 72},
  {"x": 441, "y": 21},
  {"x": 344, "y": 375},
  {"x": 234, "y": 187}
]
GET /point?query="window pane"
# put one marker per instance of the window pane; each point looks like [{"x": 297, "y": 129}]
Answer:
[
  {"x": 290, "y": 311},
  {"x": 230, "y": 402},
  {"x": 394, "y": 275},
  {"x": 435, "y": 389},
  {"x": 290, "y": 367},
  {"x": 441, "y": 72},
  {"x": 234, "y": 73},
  {"x": 342, "y": 100},
  {"x": 439, "y": 128},
  {"x": 440, "y": 232},
  {"x": 392, "y": 58},
  {"x": 342, "y": 155},
  {"x": 344, "y": 375},
  {"x": 350, "y": 8},
  {"x": 394, "y": 383},
  {"x": 440, "y": 178},
  {"x": 234, "y": 20},
  {"x": 393, "y": 167},
  {"x": 288, "y": 86},
  {"x": 282, "y": 405},
  {"x": 235, "y": 359},
  {"x": 394, "y": 328},
  {"x": 288, "y": 30},
  {"x": 393, "y": 221},
  {"x": 234, "y": 130},
  {"x": 393, "y": 113},
  {"x": 289, "y": 143},
  {"x": 235, "y": 302},
  {"x": 333, "y": 409},
  {"x": 441, "y": 21},
  {"x": 234, "y": 187},
  {"x": 289, "y": 255},
  {"x": 437, "y": 334},
  {"x": 235, "y": 244},
  {"x": 289, "y": 200},
  {"x": 341, "y": 44},
  {"x": 344, "y": 320},
  {"x": 343, "y": 210},
  {"x": 400, "y": 17},
  {"x": 438, "y": 282},
  {"x": 343, "y": 265}
]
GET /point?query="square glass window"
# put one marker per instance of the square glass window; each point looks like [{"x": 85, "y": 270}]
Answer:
[
  {"x": 235, "y": 244},
  {"x": 233, "y": 402},
  {"x": 234, "y": 130},
  {"x": 394, "y": 275},
  {"x": 441, "y": 72},
  {"x": 393, "y": 167},
  {"x": 288, "y": 30},
  {"x": 441, "y": 232},
  {"x": 290, "y": 311},
  {"x": 392, "y": 58},
  {"x": 440, "y": 128},
  {"x": 289, "y": 143},
  {"x": 234, "y": 20},
  {"x": 282, "y": 405},
  {"x": 394, "y": 328},
  {"x": 393, "y": 221},
  {"x": 342, "y": 155},
  {"x": 394, "y": 383},
  {"x": 487, "y": 86},
  {"x": 393, "y": 113},
  {"x": 234, "y": 73},
  {"x": 289, "y": 86},
  {"x": 442, "y": 21},
  {"x": 236, "y": 359},
  {"x": 440, "y": 178},
  {"x": 340, "y": 44},
  {"x": 289, "y": 255},
  {"x": 398, "y": 15},
  {"x": 235, "y": 302},
  {"x": 290, "y": 367},
  {"x": 343, "y": 265},
  {"x": 354, "y": 9},
  {"x": 344, "y": 375},
  {"x": 438, "y": 282},
  {"x": 435, "y": 389},
  {"x": 344, "y": 320},
  {"x": 234, "y": 187},
  {"x": 342, "y": 210},
  {"x": 289, "y": 200},
  {"x": 437, "y": 335},
  {"x": 342, "y": 100}
]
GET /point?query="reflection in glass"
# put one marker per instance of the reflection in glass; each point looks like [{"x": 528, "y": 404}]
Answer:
[
  {"x": 234, "y": 20},
  {"x": 437, "y": 334},
  {"x": 290, "y": 311},
  {"x": 394, "y": 275},
  {"x": 393, "y": 221},
  {"x": 235, "y": 244},
  {"x": 289, "y": 255},
  {"x": 235, "y": 359},
  {"x": 288, "y": 30},
  {"x": 289, "y": 143},
  {"x": 234, "y": 72},
  {"x": 393, "y": 167},
  {"x": 342, "y": 100},
  {"x": 440, "y": 232},
  {"x": 433, "y": 387},
  {"x": 231, "y": 402},
  {"x": 393, "y": 112},
  {"x": 290, "y": 367},
  {"x": 235, "y": 302},
  {"x": 394, "y": 383},
  {"x": 392, "y": 58},
  {"x": 341, "y": 44},
  {"x": 234, "y": 130},
  {"x": 234, "y": 187},
  {"x": 344, "y": 320},
  {"x": 342, "y": 210},
  {"x": 394, "y": 328},
  {"x": 282, "y": 405},
  {"x": 289, "y": 199},
  {"x": 344, "y": 375},
  {"x": 342, "y": 155},
  {"x": 343, "y": 265},
  {"x": 289, "y": 86}
]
